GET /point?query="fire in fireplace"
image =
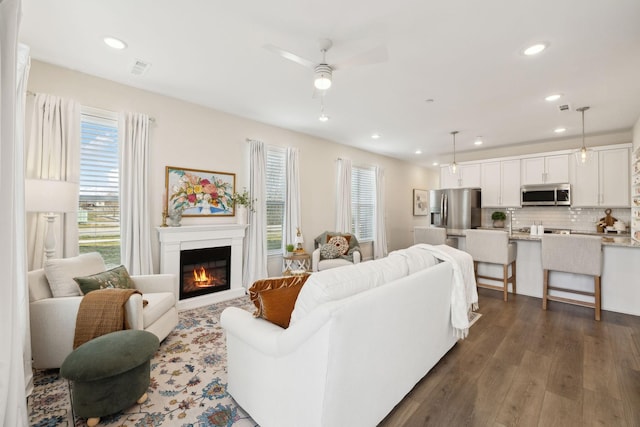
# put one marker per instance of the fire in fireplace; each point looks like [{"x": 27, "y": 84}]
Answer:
[{"x": 204, "y": 271}]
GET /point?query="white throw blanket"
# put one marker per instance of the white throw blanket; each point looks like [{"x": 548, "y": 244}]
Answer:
[{"x": 464, "y": 295}]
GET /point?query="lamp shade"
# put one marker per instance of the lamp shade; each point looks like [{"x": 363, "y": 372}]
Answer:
[{"x": 47, "y": 195}]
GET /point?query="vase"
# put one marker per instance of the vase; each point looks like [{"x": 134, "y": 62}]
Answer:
[
  {"x": 241, "y": 214},
  {"x": 174, "y": 218},
  {"x": 498, "y": 223}
]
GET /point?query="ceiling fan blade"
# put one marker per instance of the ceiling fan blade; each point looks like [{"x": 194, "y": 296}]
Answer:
[
  {"x": 373, "y": 56},
  {"x": 290, "y": 56}
]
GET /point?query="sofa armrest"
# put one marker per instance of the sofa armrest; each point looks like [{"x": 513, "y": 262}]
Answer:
[
  {"x": 268, "y": 338},
  {"x": 151, "y": 283},
  {"x": 315, "y": 259},
  {"x": 133, "y": 310},
  {"x": 357, "y": 257},
  {"x": 53, "y": 325}
]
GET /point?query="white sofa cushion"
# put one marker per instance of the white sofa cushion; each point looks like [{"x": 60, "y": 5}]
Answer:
[
  {"x": 60, "y": 272},
  {"x": 339, "y": 283}
]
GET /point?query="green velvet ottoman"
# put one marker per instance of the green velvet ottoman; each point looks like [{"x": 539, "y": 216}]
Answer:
[{"x": 109, "y": 373}]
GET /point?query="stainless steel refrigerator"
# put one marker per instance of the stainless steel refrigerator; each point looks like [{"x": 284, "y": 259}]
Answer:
[{"x": 456, "y": 208}]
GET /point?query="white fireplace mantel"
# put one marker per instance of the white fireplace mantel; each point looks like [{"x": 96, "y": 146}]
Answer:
[{"x": 175, "y": 239}]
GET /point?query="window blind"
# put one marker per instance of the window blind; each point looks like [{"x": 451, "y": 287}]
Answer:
[
  {"x": 363, "y": 203},
  {"x": 276, "y": 193},
  {"x": 99, "y": 208}
]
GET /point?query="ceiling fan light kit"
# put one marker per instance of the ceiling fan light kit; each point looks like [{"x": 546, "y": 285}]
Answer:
[{"x": 323, "y": 74}]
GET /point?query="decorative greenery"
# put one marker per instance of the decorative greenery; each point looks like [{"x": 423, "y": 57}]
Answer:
[
  {"x": 243, "y": 199},
  {"x": 498, "y": 216},
  {"x": 290, "y": 247}
]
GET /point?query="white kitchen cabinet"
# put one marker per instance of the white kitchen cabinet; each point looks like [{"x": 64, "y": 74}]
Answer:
[
  {"x": 467, "y": 176},
  {"x": 501, "y": 183},
  {"x": 545, "y": 170},
  {"x": 602, "y": 181}
]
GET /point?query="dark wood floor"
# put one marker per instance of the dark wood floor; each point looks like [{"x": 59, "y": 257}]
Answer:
[{"x": 524, "y": 366}]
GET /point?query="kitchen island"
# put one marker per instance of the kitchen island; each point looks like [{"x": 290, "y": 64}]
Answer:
[{"x": 620, "y": 272}]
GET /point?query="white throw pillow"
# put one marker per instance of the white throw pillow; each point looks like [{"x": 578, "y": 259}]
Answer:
[{"x": 60, "y": 272}]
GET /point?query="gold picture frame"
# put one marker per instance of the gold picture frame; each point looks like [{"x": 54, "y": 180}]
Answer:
[{"x": 199, "y": 193}]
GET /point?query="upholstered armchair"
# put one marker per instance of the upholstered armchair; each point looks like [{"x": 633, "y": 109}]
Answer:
[
  {"x": 54, "y": 306},
  {"x": 333, "y": 249}
]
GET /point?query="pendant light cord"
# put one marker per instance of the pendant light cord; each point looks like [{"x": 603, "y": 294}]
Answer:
[{"x": 582, "y": 110}]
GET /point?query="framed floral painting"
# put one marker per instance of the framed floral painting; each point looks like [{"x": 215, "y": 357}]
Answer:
[{"x": 197, "y": 192}]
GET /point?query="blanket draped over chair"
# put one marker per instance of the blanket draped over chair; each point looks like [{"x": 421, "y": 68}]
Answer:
[{"x": 101, "y": 312}]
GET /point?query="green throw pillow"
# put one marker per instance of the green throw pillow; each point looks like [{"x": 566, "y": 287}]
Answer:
[{"x": 117, "y": 277}]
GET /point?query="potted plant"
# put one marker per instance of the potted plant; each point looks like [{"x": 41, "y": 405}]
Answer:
[
  {"x": 242, "y": 204},
  {"x": 290, "y": 248},
  {"x": 498, "y": 218}
]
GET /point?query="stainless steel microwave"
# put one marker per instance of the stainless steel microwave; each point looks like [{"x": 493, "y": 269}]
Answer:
[{"x": 546, "y": 195}]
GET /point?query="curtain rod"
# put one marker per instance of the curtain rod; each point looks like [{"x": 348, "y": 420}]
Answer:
[{"x": 30, "y": 93}]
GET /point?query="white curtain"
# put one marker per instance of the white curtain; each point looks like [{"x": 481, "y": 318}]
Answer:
[
  {"x": 343, "y": 194},
  {"x": 380, "y": 240},
  {"x": 255, "y": 246},
  {"x": 53, "y": 152},
  {"x": 292, "y": 199},
  {"x": 13, "y": 309},
  {"x": 135, "y": 219}
]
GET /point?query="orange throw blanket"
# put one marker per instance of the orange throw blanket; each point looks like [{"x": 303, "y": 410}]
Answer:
[{"x": 101, "y": 312}]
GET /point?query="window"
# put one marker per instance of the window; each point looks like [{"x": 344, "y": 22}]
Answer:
[
  {"x": 276, "y": 193},
  {"x": 99, "y": 210},
  {"x": 363, "y": 203}
]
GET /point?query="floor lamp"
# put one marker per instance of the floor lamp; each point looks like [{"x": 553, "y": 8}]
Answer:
[{"x": 51, "y": 197}]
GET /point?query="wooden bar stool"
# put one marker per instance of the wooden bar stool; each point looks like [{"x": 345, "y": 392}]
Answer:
[
  {"x": 493, "y": 247},
  {"x": 572, "y": 254}
]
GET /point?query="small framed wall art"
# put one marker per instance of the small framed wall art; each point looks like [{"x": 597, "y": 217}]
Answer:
[
  {"x": 420, "y": 202},
  {"x": 197, "y": 192}
]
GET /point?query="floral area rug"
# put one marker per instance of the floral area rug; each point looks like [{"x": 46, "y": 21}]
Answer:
[{"x": 188, "y": 382}]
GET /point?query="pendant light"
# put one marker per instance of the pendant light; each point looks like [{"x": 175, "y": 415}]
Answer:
[
  {"x": 583, "y": 155},
  {"x": 453, "y": 167}
]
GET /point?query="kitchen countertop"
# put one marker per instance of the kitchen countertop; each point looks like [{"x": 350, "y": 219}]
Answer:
[{"x": 608, "y": 239}]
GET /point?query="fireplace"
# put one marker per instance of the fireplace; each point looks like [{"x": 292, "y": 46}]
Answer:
[
  {"x": 204, "y": 271},
  {"x": 178, "y": 244}
]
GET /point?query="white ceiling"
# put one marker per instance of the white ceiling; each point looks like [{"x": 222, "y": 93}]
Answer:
[{"x": 463, "y": 54}]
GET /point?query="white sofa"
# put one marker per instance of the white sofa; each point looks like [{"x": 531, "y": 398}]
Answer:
[
  {"x": 360, "y": 338},
  {"x": 53, "y": 320}
]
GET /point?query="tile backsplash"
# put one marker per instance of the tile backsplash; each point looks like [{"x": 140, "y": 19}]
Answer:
[{"x": 575, "y": 219}]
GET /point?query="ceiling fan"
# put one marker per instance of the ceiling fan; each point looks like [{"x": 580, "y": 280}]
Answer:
[{"x": 323, "y": 71}]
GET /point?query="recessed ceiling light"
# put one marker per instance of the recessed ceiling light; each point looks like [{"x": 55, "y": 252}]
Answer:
[
  {"x": 535, "y": 49},
  {"x": 435, "y": 164},
  {"x": 478, "y": 141},
  {"x": 553, "y": 97},
  {"x": 114, "y": 43},
  {"x": 560, "y": 130},
  {"x": 418, "y": 151},
  {"x": 323, "y": 117},
  {"x": 375, "y": 136}
]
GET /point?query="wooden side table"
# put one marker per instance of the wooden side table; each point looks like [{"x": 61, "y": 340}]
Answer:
[{"x": 296, "y": 263}]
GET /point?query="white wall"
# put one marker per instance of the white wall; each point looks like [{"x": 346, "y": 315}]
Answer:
[{"x": 192, "y": 136}]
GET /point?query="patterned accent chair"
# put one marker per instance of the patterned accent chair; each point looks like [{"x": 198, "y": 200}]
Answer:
[{"x": 330, "y": 250}]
